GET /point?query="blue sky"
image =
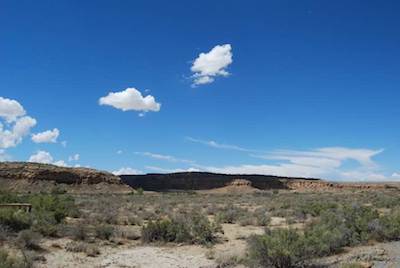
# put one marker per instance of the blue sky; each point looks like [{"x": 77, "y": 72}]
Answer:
[{"x": 300, "y": 88}]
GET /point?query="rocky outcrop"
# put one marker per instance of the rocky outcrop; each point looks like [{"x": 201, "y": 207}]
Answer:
[
  {"x": 204, "y": 181},
  {"x": 17, "y": 175},
  {"x": 208, "y": 181}
]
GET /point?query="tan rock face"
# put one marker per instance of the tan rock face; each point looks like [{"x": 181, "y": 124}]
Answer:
[
  {"x": 240, "y": 182},
  {"x": 35, "y": 177},
  {"x": 35, "y": 171}
]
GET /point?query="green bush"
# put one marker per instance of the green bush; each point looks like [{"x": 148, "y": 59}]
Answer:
[
  {"x": 261, "y": 217},
  {"x": 58, "y": 206},
  {"x": 194, "y": 228},
  {"x": 391, "y": 226},
  {"x": 333, "y": 230},
  {"x": 48, "y": 210},
  {"x": 279, "y": 248},
  {"x": 315, "y": 208},
  {"x": 357, "y": 219},
  {"x": 139, "y": 191},
  {"x": 104, "y": 232},
  {"x": 15, "y": 220}
]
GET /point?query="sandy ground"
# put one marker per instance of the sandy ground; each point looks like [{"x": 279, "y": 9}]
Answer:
[
  {"x": 137, "y": 255},
  {"x": 133, "y": 254}
]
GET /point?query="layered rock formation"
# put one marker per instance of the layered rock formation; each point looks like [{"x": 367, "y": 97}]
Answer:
[
  {"x": 205, "y": 181},
  {"x": 208, "y": 181},
  {"x": 23, "y": 176}
]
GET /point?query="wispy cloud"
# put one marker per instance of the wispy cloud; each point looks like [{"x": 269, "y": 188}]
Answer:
[
  {"x": 171, "y": 170},
  {"x": 217, "y": 145},
  {"x": 324, "y": 162},
  {"x": 163, "y": 157}
]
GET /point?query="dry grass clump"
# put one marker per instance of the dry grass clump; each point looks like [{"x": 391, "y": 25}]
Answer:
[{"x": 82, "y": 247}]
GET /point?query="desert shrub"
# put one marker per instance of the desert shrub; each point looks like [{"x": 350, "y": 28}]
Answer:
[
  {"x": 48, "y": 210},
  {"x": 104, "y": 232},
  {"x": 27, "y": 239},
  {"x": 45, "y": 224},
  {"x": 79, "y": 232},
  {"x": 322, "y": 239},
  {"x": 8, "y": 261},
  {"x": 58, "y": 206},
  {"x": 279, "y": 248},
  {"x": 357, "y": 219},
  {"x": 231, "y": 214},
  {"x": 202, "y": 230},
  {"x": 314, "y": 208},
  {"x": 139, "y": 191},
  {"x": 334, "y": 230},
  {"x": 15, "y": 220},
  {"x": 261, "y": 217},
  {"x": 158, "y": 230},
  {"x": 390, "y": 226},
  {"x": 194, "y": 228},
  {"x": 385, "y": 201}
]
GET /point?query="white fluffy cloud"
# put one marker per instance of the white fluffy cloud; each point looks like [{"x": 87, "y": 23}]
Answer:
[
  {"x": 48, "y": 136},
  {"x": 126, "y": 171},
  {"x": 10, "y": 110},
  {"x": 45, "y": 158},
  {"x": 209, "y": 65},
  {"x": 13, "y": 134},
  {"x": 41, "y": 157},
  {"x": 16, "y": 124},
  {"x": 130, "y": 99}
]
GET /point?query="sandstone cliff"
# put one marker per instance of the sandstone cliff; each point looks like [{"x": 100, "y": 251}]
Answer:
[
  {"x": 206, "y": 181},
  {"x": 23, "y": 176}
]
